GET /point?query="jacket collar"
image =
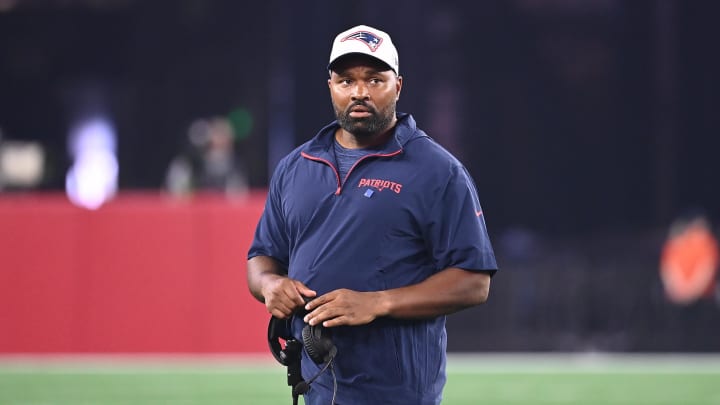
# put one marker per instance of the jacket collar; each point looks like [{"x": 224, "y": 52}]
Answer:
[{"x": 405, "y": 129}]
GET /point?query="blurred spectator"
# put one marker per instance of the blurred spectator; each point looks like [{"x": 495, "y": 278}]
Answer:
[
  {"x": 210, "y": 162},
  {"x": 689, "y": 261},
  {"x": 22, "y": 164}
]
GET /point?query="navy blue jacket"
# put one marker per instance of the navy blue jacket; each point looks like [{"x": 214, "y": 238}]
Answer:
[{"x": 399, "y": 216}]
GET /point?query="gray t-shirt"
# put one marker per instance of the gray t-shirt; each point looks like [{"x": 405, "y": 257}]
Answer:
[{"x": 346, "y": 158}]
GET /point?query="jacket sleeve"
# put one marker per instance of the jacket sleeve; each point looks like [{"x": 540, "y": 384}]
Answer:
[
  {"x": 455, "y": 231},
  {"x": 270, "y": 234}
]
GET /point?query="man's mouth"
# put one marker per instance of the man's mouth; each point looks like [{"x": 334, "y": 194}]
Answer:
[{"x": 360, "y": 111}]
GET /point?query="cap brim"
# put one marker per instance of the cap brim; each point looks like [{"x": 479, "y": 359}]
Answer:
[{"x": 340, "y": 58}]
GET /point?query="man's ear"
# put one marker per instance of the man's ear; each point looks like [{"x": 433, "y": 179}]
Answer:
[{"x": 398, "y": 87}]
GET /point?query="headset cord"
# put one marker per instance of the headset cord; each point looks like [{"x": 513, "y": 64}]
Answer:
[
  {"x": 332, "y": 371},
  {"x": 328, "y": 364},
  {"x": 303, "y": 386}
]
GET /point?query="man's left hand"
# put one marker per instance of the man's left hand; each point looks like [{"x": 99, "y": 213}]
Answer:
[{"x": 344, "y": 307}]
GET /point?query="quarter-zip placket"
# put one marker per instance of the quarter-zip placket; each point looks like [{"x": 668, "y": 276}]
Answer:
[{"x": 337, "y": 173}]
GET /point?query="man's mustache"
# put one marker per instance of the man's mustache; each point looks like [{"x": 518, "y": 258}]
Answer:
[{"x": 360, "y": 104}]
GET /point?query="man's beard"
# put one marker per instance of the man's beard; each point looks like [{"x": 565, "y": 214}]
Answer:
[{"x": 365, "y": 127}]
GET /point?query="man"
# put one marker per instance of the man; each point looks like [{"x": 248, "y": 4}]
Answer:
[{"x": 381, "y": 228}]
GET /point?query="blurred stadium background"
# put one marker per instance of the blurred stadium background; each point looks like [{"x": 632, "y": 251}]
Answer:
[{"x": 137, "y": 139}]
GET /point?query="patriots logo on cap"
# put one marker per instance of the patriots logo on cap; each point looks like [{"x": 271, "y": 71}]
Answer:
[{"x": 371, "y": 40}]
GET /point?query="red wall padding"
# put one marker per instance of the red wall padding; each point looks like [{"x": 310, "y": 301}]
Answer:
[{"x": 144, "y": 273}]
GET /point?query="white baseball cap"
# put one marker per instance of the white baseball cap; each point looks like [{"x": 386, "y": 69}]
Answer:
[{"x": 365, "y": 40}]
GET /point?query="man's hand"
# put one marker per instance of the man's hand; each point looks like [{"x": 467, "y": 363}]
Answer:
[
  {"x": 345, "y": 307},
  {"x": 269, "y": 284},
  {"x": 283, "y": 295},
  {"x": 442, "y": 293}
]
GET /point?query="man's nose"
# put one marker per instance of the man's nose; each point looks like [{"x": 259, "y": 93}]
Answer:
[{"x": 360, "y": 91}]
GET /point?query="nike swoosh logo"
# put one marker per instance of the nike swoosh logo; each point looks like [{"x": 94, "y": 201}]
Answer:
[{"x": 478, "y": 213}]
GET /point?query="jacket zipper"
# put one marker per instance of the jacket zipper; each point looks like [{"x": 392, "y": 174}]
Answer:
[{"x": 337, "y": 174}]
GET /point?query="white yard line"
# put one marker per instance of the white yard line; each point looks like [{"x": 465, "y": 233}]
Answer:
[
  {"x": 585, "y": 362},
  {"x": 660, "y": 363}
]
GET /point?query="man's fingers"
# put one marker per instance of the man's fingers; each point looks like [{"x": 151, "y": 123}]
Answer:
[
  {"x": 323, "y": 314},
  {"x": 279, "y": 310},
  {"x": 304, "y": 291},
  {"x": 340, "y": 320},
  {"x": 340, "y": 307}
]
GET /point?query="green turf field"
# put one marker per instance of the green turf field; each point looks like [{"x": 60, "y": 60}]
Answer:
[{"x": 471, "y": 380}]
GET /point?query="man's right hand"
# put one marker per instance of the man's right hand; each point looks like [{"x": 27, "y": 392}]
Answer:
[
  {"x": 269, "y": 283},
  {"x": 283, "y": 296}
]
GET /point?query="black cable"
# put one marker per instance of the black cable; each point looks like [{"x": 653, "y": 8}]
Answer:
[
  {"x": 304, "y": 386},
  {"x": 332, "y": 371},
  {"x": 328, "y": 364}
]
